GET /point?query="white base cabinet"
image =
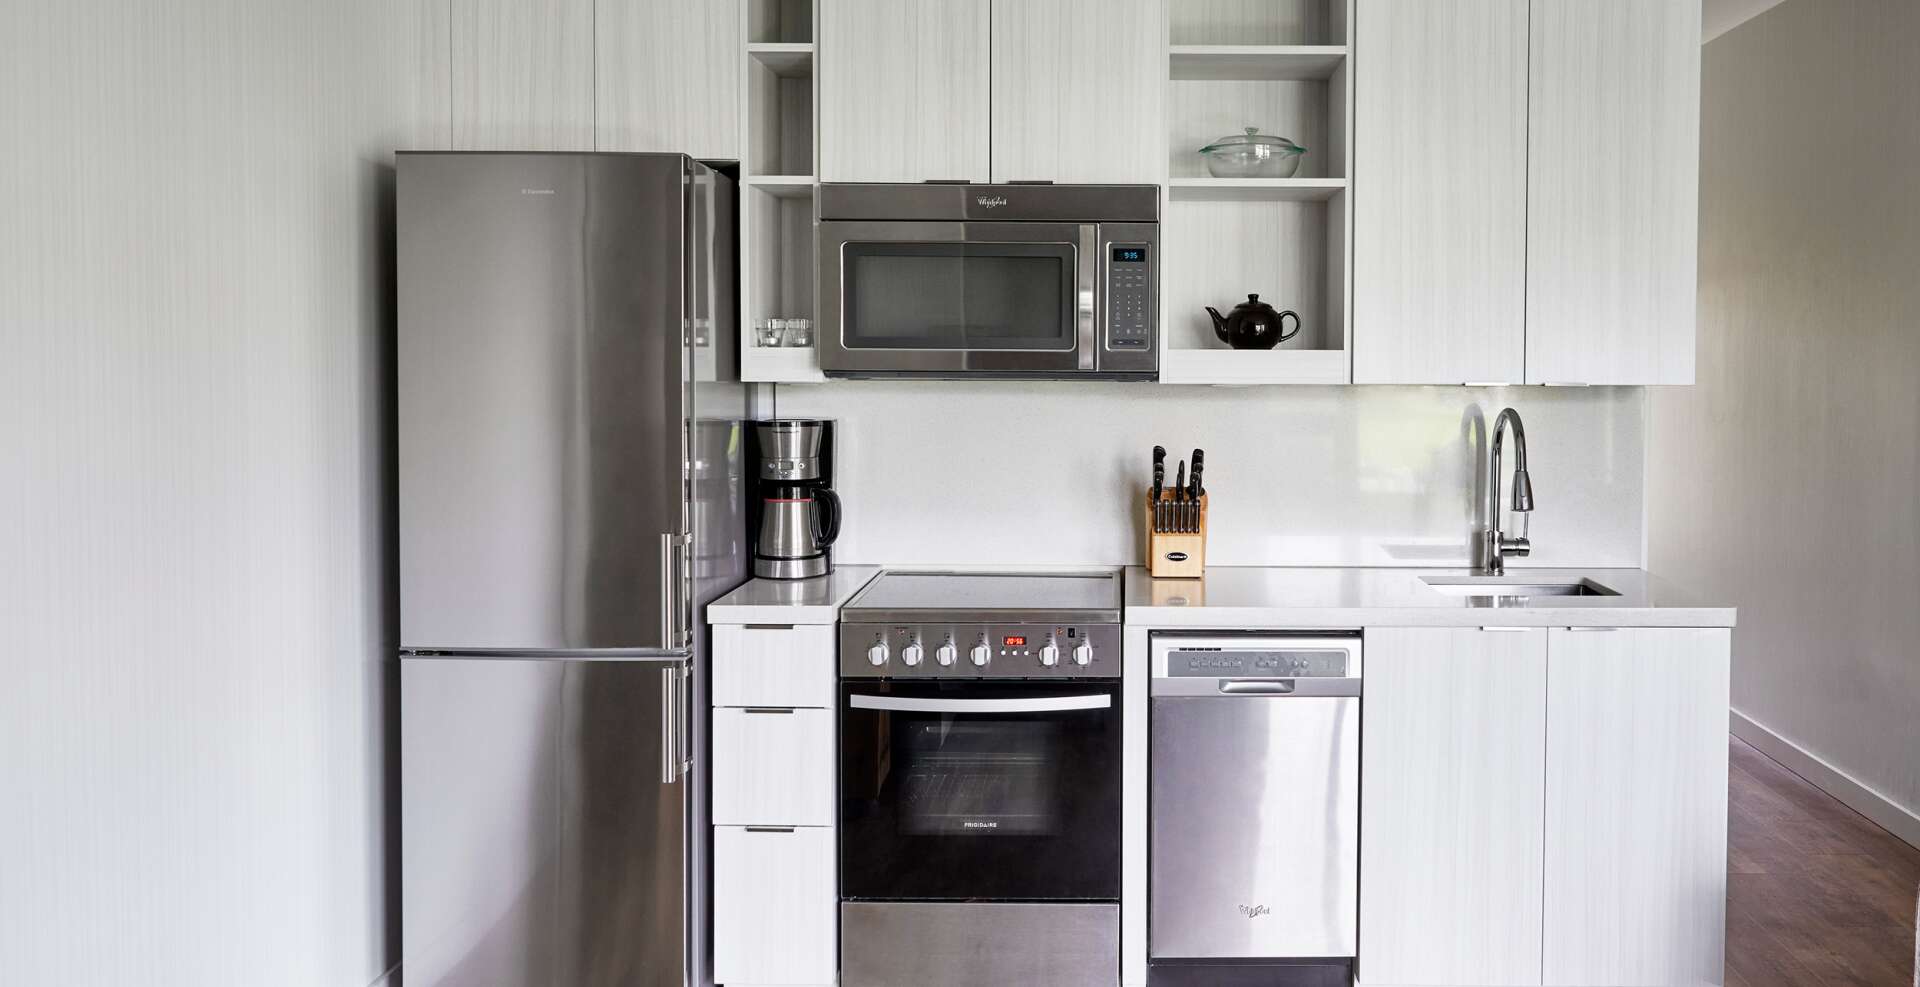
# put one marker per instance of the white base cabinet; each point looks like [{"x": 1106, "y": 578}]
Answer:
[
  {"x": 1544, "y": 807},
  {"x": 1636, "y": 864},
  {"x": 774, "y": 906},
  {"x": 1453, "y": 756},
  {"x": 775, "y": 899}
]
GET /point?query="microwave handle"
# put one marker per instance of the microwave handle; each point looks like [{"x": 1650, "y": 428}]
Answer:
[
  {"x": 1039, "y": 704},
  {"x": 1091, "y": 264}
]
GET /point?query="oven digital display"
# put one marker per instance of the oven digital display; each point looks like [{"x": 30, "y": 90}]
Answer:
[
  {"x": 1129, "y": 255},
  {"x": 1014, "y": 641}
]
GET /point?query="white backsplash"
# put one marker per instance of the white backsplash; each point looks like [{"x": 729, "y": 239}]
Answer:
[{"x": 985, "y": 473}]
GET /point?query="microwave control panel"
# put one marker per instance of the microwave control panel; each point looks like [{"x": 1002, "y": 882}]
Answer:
[{"x": 1130, "y": 296}]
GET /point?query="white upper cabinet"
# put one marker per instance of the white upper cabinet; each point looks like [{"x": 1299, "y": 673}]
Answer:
[
  {"x": 904, "y": 92},
  {"x": 1440, "y": 183},
  {"x": 521, "y": 74},
  {"x": 1078, "y": 87},
  {"x": 1452, "y": 776},
  {"x": 1636, "y": 851},
  {"x": 690, "y": 48},
  {"x": 1613, "y": 191}
]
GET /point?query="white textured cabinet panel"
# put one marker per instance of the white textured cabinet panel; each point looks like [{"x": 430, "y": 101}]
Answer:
[
  {"x": 1453, "y": 752},
  {"x": 775, "y": 906},
  {"x": 1636, "y": 857},
  {"x": 668, "y": 76},
  {"x": 522, "y": 75},
  {"x": 903, "y": 90},
  {"x": 1077, "y": 90},
  {"x": 774, "y": 666},
  {"x": 1440, "y": 178},
  {"x": 1613, "y": 191},
  {"x": 773, "y": 768}
]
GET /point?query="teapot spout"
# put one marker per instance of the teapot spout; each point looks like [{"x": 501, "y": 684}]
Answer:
[{"x": 1219, "y": 323}]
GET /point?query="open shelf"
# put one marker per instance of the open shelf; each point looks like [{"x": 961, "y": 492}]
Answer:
[
  {"x": 1267, "y": 22},
  {"x": 1255, "y": 62},
  {"x": 786, "y": 59},
  {"x": 1254, "y": 189},
  {"x": 776, "y": 21},
  {"x": 783, "y": 186},
  {"x": 1247, "y": 367}
]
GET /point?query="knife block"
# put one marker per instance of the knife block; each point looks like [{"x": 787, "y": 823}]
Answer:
[{"x": 1176, "y": 554}]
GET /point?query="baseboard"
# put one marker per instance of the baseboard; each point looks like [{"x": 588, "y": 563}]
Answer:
[{"x": 1884, "y": 812}]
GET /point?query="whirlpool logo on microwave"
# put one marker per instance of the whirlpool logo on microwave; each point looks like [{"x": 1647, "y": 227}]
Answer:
[
  {"x": 990, "y": 202},
  {"x": 1254, "y": 911}
]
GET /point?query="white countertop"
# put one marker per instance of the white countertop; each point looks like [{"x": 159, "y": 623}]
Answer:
[
  {"x": 792, "y": 601},
  {"x": 1313, "y": 597}
]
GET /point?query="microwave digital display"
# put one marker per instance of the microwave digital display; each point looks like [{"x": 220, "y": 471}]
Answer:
[{"x": 1129, "y": 255}]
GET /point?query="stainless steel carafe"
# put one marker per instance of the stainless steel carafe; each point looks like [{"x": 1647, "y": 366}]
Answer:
[{"x": 798, "y": 524}]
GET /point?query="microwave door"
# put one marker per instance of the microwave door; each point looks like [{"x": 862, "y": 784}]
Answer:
[{"x": 951, "y": 298}]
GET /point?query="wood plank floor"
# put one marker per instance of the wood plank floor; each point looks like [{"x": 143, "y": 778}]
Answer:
[{"x": 1816, "y": 895}]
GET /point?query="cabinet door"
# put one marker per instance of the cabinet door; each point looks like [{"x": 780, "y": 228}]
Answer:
[
  {"x": 1453, "y": 750},
  {"x": 1077, "y": 90},
  {"x": 903, "y": 90},
  {"x": 521, "y": 74},
  {"x": 1613, "y": 191},
  {"x": 1636, "y": 856},
  {"x": 774, "y": 906},
  {"x": 1440, "y": 181},
  {"x": 690, "y": 48}
]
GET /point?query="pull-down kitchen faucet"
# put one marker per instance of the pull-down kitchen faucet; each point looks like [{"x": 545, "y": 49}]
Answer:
[{"x": 1495, "y": 546}]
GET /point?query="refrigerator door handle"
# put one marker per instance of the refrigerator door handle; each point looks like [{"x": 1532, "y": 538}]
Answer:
[{"x": 669, "y": 727}]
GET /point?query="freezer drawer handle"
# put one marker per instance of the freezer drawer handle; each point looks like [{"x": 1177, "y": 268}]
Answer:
[
  {"x": 1257, "y": 687},
  {"x": 1043, "y": 704},
  {"x": 669, "y": 727}
]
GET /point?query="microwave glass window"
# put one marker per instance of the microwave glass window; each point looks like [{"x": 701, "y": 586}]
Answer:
[{"x": 959, "y": 296}]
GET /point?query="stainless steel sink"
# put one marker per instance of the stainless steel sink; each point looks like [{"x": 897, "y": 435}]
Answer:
[{"x": 1505, "y": 590}]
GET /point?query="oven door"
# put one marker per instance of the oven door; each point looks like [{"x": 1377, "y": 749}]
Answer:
[
  {"x": 957, "y": 299},
  {"x": 953, "y": 791}
]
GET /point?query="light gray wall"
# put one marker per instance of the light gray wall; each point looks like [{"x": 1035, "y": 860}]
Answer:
[
  {"x": 1054, "y": 472},
  {"x": 1788, "y": 480},
  {"x": 194, "y": 325}
]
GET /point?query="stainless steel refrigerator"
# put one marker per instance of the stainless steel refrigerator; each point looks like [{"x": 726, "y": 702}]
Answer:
[{"x": 571, "y": 496}]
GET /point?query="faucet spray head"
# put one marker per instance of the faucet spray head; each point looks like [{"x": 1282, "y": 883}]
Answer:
[{"x": 1522, "y": 492}]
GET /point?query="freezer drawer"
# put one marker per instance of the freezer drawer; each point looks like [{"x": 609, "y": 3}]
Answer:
[{"x": 1255, "y": 830}]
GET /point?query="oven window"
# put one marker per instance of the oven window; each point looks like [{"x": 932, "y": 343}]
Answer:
[
  {"x": 948, "y": 805},
  {"x": 958, "y": 296}
]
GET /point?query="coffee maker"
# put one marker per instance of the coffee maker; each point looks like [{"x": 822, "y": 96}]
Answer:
[{"x": 797, "y": 514}]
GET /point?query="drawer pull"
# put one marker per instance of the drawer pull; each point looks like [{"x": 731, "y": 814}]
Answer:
[
  {"x": 769, "y": 829},
  {"x": 1506, "y": 630},
  {"x": 768, "y": 709},
  {"x": 769, "y": 627}
]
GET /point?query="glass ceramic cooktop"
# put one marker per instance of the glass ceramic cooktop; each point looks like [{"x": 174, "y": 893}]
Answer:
[{"x": 991, "y": 591}]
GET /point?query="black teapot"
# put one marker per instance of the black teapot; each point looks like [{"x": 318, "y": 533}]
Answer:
[{"x": 1253, "y": 325}]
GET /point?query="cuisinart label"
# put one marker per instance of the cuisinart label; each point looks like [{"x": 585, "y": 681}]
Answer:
[{"x": 1176, "y": 556}]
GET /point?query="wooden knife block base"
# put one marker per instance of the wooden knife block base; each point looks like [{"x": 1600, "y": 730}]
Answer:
[{"x": 1176, "y": 554}]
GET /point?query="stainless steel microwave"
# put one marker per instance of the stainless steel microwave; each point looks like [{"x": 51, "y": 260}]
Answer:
[{"x": 1022, "y": 281}]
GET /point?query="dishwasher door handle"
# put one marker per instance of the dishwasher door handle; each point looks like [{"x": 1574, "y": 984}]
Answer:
[{"x": 1257, "y": 687}]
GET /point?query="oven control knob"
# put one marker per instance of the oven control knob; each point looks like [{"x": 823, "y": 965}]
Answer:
[
  {"x": 1083, "y": 653},
  {"x": 980, "y": 653},
  {"x": 946, "y": 653},
  {"x": 911, "y": 654},
  {"x": 1050, "y": 655},
  {"x": 877, "y": 655}
]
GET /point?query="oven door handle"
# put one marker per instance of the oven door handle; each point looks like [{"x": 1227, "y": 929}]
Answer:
[{"x": 1039, "y": 704}]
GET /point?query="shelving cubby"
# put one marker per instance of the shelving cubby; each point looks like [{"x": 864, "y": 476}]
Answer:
[
  {"x": 1283, "y": 67},
  {"x": 777, "y": 186}
]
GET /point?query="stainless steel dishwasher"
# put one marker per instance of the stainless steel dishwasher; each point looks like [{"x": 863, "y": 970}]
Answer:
[{"x": 1255, "y": 833}]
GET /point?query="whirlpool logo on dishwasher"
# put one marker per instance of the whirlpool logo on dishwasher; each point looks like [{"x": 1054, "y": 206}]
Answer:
[{"x": 1254, "y": 911}]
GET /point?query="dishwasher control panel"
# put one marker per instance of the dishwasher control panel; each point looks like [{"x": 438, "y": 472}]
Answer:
[{"x": 1221, "y": 663}]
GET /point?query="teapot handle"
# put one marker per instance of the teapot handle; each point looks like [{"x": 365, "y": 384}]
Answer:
[{"x": 1284, "y": 334}]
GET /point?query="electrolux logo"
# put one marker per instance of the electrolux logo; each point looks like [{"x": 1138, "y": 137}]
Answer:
[
  {"x": 990, "y": 202},
  {"x": 536, "y": 191}
]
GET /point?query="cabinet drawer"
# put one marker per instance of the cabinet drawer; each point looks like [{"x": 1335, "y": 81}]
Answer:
[
  {"x": 774, "y": 906},
  {"x": 773, "y": 666},
  {"x": 773, "y": 767}
]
